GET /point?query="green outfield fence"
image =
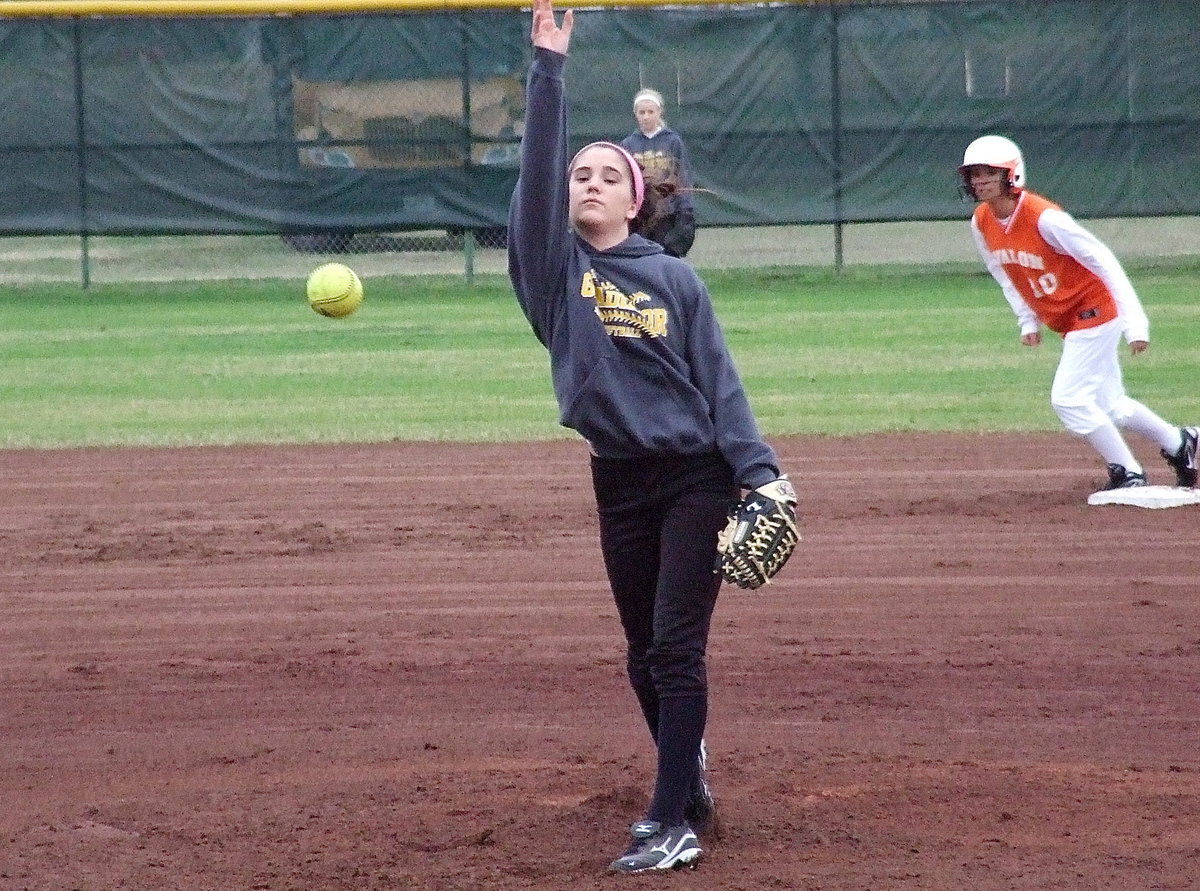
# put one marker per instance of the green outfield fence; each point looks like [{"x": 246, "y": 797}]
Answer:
[{"x": 352, "y": 126}]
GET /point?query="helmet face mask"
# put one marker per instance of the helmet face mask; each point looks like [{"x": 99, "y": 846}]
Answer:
[{"x": 996, "y": 152}]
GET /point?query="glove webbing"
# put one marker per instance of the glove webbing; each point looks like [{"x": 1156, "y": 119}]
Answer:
[{"x": 755, "y": 550}]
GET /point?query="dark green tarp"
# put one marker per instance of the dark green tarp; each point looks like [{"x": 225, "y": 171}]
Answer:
[{"x": 792, "y": 114}]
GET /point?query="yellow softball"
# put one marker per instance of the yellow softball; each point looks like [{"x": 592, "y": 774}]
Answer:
[{"x": 334, "y": 290}]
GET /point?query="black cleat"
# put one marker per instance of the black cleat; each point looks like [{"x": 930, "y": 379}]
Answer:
[
  {"x": 701, "y": 808},
  {"x": 1120, "y": 478},
  {"x": 657, "y": 847},
  {"x": 1183, "y": 462}
]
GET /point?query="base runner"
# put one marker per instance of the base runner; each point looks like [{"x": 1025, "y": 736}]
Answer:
[{"x": 1056, "y": 273}]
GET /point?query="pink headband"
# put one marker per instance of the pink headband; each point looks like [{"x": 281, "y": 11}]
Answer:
[{"x": 635, "y": 170}]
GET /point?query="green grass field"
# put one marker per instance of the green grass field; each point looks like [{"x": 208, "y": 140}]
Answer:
[{"x": 432, "y": 358}]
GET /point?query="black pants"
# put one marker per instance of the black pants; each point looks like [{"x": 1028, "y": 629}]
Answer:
[{"x": 659, "y": 519}]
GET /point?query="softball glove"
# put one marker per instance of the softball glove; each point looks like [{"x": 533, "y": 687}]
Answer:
[{"x": 760, "y": 536}]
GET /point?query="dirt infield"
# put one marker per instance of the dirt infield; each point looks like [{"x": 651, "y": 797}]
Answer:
[{"x": 299, "y": 668}]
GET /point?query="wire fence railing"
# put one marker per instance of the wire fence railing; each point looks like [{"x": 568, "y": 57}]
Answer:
[{"x": 115, "y": 259}]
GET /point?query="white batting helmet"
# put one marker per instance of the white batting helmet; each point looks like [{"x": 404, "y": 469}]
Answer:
[{"x": 999, "y": 152}]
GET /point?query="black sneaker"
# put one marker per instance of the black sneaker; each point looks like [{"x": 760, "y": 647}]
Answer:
[
  {"x": 701, "y": 808},
  {"x": 657, "y": 847},
  {"x": 1120, "y": 478},
  {"x": 1183, "y": 462}
]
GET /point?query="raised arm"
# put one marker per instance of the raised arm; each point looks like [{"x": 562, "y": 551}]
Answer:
[{"x": 538, "y": 227}]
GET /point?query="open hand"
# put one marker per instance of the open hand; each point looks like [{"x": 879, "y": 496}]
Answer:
[{"x": 546, "y": 34}]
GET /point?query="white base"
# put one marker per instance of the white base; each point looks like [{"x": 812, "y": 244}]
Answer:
[{"x": 1147, "y": 496}]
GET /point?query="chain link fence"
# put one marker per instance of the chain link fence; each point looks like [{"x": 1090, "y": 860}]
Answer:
[
  {"x": 1139, "y": 242},
  {"x": 452, "y": 240},
  {"x": 259, "y": 146}
]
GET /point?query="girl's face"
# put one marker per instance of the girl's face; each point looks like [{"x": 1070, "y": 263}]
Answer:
[
  {"x": 987, "y": 183},
  {"x": 601, "y": 195},
  {"x": 649, "y": 115}
]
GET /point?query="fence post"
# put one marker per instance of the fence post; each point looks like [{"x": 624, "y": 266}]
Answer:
[
  {"x": 81, "y": 153},
  {"x": 469, "y": 256},
  {"x": 468, "y": 160},
  {"x": 835, "y": 123}
]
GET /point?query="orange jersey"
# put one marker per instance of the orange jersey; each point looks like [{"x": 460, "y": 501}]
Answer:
[{"x": 1065, "y": 294}]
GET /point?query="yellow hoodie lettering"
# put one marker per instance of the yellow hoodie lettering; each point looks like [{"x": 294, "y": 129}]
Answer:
[{"x": 619, "y": 312}]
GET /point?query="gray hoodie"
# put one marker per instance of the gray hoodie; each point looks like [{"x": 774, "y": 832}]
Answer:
[{"x": 639, "y": 362}]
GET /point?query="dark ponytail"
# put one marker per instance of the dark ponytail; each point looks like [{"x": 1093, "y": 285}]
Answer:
[
  {"x": 657, "y": 206},
  {"x": 662, "y": 218}
]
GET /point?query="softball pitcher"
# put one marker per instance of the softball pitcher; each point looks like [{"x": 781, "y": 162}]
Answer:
[
  {"x": 641, "y": 370},
  {"x": 1056, "y": 273}
]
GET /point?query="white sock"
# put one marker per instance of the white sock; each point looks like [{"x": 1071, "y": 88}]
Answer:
[
  {"x": 1144, "y": 422},
  {"x": 1108, "y": 442}
]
